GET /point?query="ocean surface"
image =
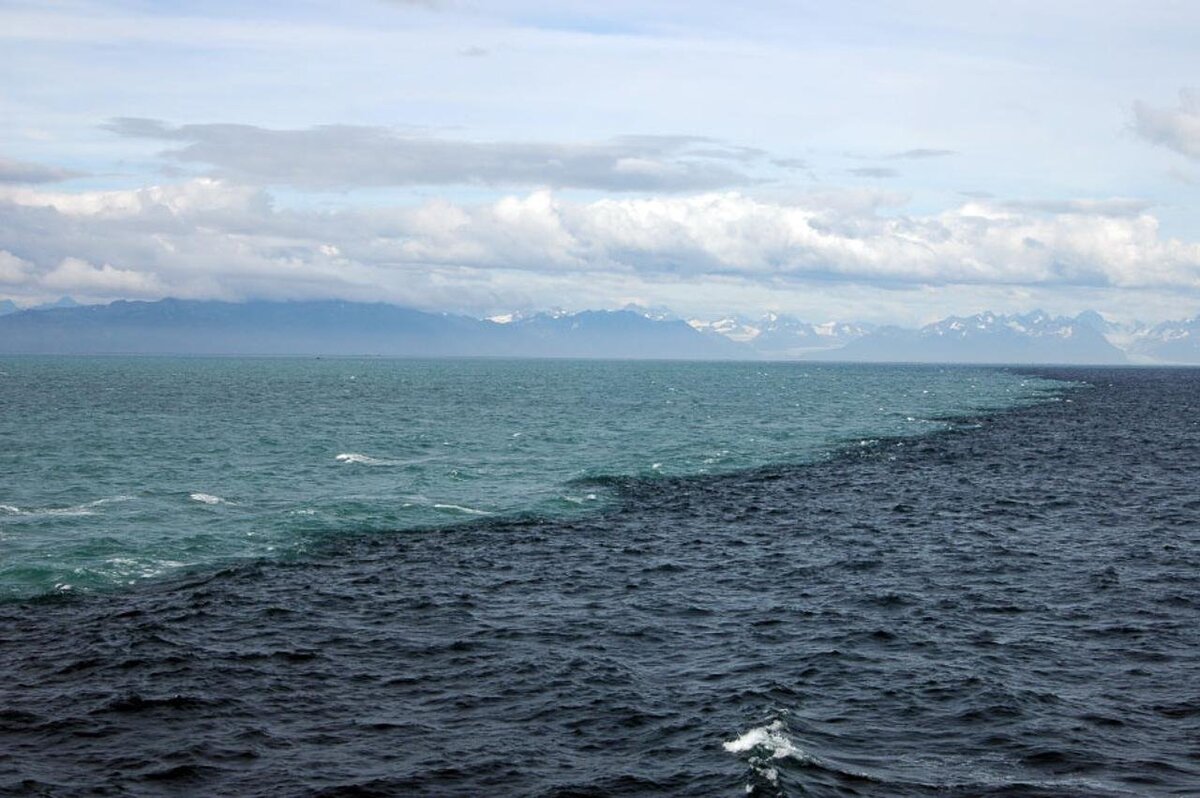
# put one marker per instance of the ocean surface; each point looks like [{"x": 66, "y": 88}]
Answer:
[
  {"x": 120, "y": 469},
  {"x": 467, "y": 578}
]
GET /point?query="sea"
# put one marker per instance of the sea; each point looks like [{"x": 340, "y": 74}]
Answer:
[{"x": 374, "y": 577}]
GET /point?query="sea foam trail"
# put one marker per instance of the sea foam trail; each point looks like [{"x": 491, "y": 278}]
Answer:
[
  {"x": 87, "y": 508},
  {"x": 363, "y": 459},
  {"x": 458, "y": 508}
]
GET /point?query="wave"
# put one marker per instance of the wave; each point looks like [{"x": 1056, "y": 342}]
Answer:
[
  {"x": 764, "y": 747},
  {"x": 87, "y": 508},
  {"x": 364, "y": 459},
  {"x": 460, "y": 509},
  {"x": 590, "y": 497},
  {"x": 208, "y": 498}
]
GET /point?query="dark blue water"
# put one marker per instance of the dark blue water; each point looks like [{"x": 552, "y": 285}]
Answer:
[{"x": 1010, "y": 606}]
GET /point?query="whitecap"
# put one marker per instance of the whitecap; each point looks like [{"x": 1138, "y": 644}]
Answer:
[
  {"x": 772, "y": 737},
  {"x": 763, "y": 746},
  {"x": 110, "y": 500},
  {"x": 81, "y": 509},
  {"x": 459, "y": 508},
  {"x": 363, "y": 459},
  {"x": 208, "y": 498}
]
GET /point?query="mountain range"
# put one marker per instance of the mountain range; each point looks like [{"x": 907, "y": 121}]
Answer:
[
  {"x": 784, "y": 337},
  {"x": 334, "y": 327},
  {"x": 988, "y": 338}
]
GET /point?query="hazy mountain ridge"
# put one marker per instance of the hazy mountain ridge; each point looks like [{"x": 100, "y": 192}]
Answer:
[
  {"x": 1034, "y": 337},
  {"x": 334, "y": 327}
]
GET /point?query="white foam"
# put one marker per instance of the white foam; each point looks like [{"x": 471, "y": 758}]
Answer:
[
  {"x": 765, "y": 744},
  {"x": 77, "y": 510},
  {"x": 87, "y": 508},
  {"x": 459, "y": 508},
  {"x": 772, "y": 737},
  {"x": 363, "y": 459},
  {"x": 110, "y": 500},
  {"x": 207, "y": 498}
]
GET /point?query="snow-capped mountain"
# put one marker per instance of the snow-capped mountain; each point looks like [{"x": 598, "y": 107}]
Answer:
[
  {"x": 780, "y": 336},
  {"x": 1036, "y": 324},
  {"x": 1035, "y": 337},
  {"x": 652, "y": 312},
  {"x": 735, "y": 328},
  {"x": 520, "y": 315},
  {"x": 1169, "y": 342}
]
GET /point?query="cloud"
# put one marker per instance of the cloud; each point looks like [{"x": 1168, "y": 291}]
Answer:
[
  {"x": 346, "y": 156},
  {"x": 14, "y": 270},
  {"x": 1117, "y": 206},
  {"x": 1183, "y": 176},
  {"x": 1175, "y": 128},
  {"x": 428, "y": 5},
  {"x": 873, "y": 171},
  {"x": 206, "y": 238},
  {"x": 919, "y": 153},
  {"x": 79, "y": 276},
  {"x": 26, "y": 172}
]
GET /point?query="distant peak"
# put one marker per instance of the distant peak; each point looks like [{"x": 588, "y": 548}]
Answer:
[
  {"x": 61, "y": 302},
  {"x": 654, "y": 312}
]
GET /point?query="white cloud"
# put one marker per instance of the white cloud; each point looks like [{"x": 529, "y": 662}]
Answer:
[
  {"x": 192, "y": 198},
  {"x": 14, "y": 270},
  {"x": 208, "y": 238},
  {"x": 80, "y": 276}
]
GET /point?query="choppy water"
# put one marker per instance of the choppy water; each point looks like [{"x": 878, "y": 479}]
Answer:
[
  {"x": 1007, "y": 606},
  {"x": 117, "y": 469}
]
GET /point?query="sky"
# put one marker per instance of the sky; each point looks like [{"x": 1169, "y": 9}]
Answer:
[{"x": 891, "y": 162}]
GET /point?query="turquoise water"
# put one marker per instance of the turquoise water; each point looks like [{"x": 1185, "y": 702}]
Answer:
[{"x": 116, "y": 469}]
